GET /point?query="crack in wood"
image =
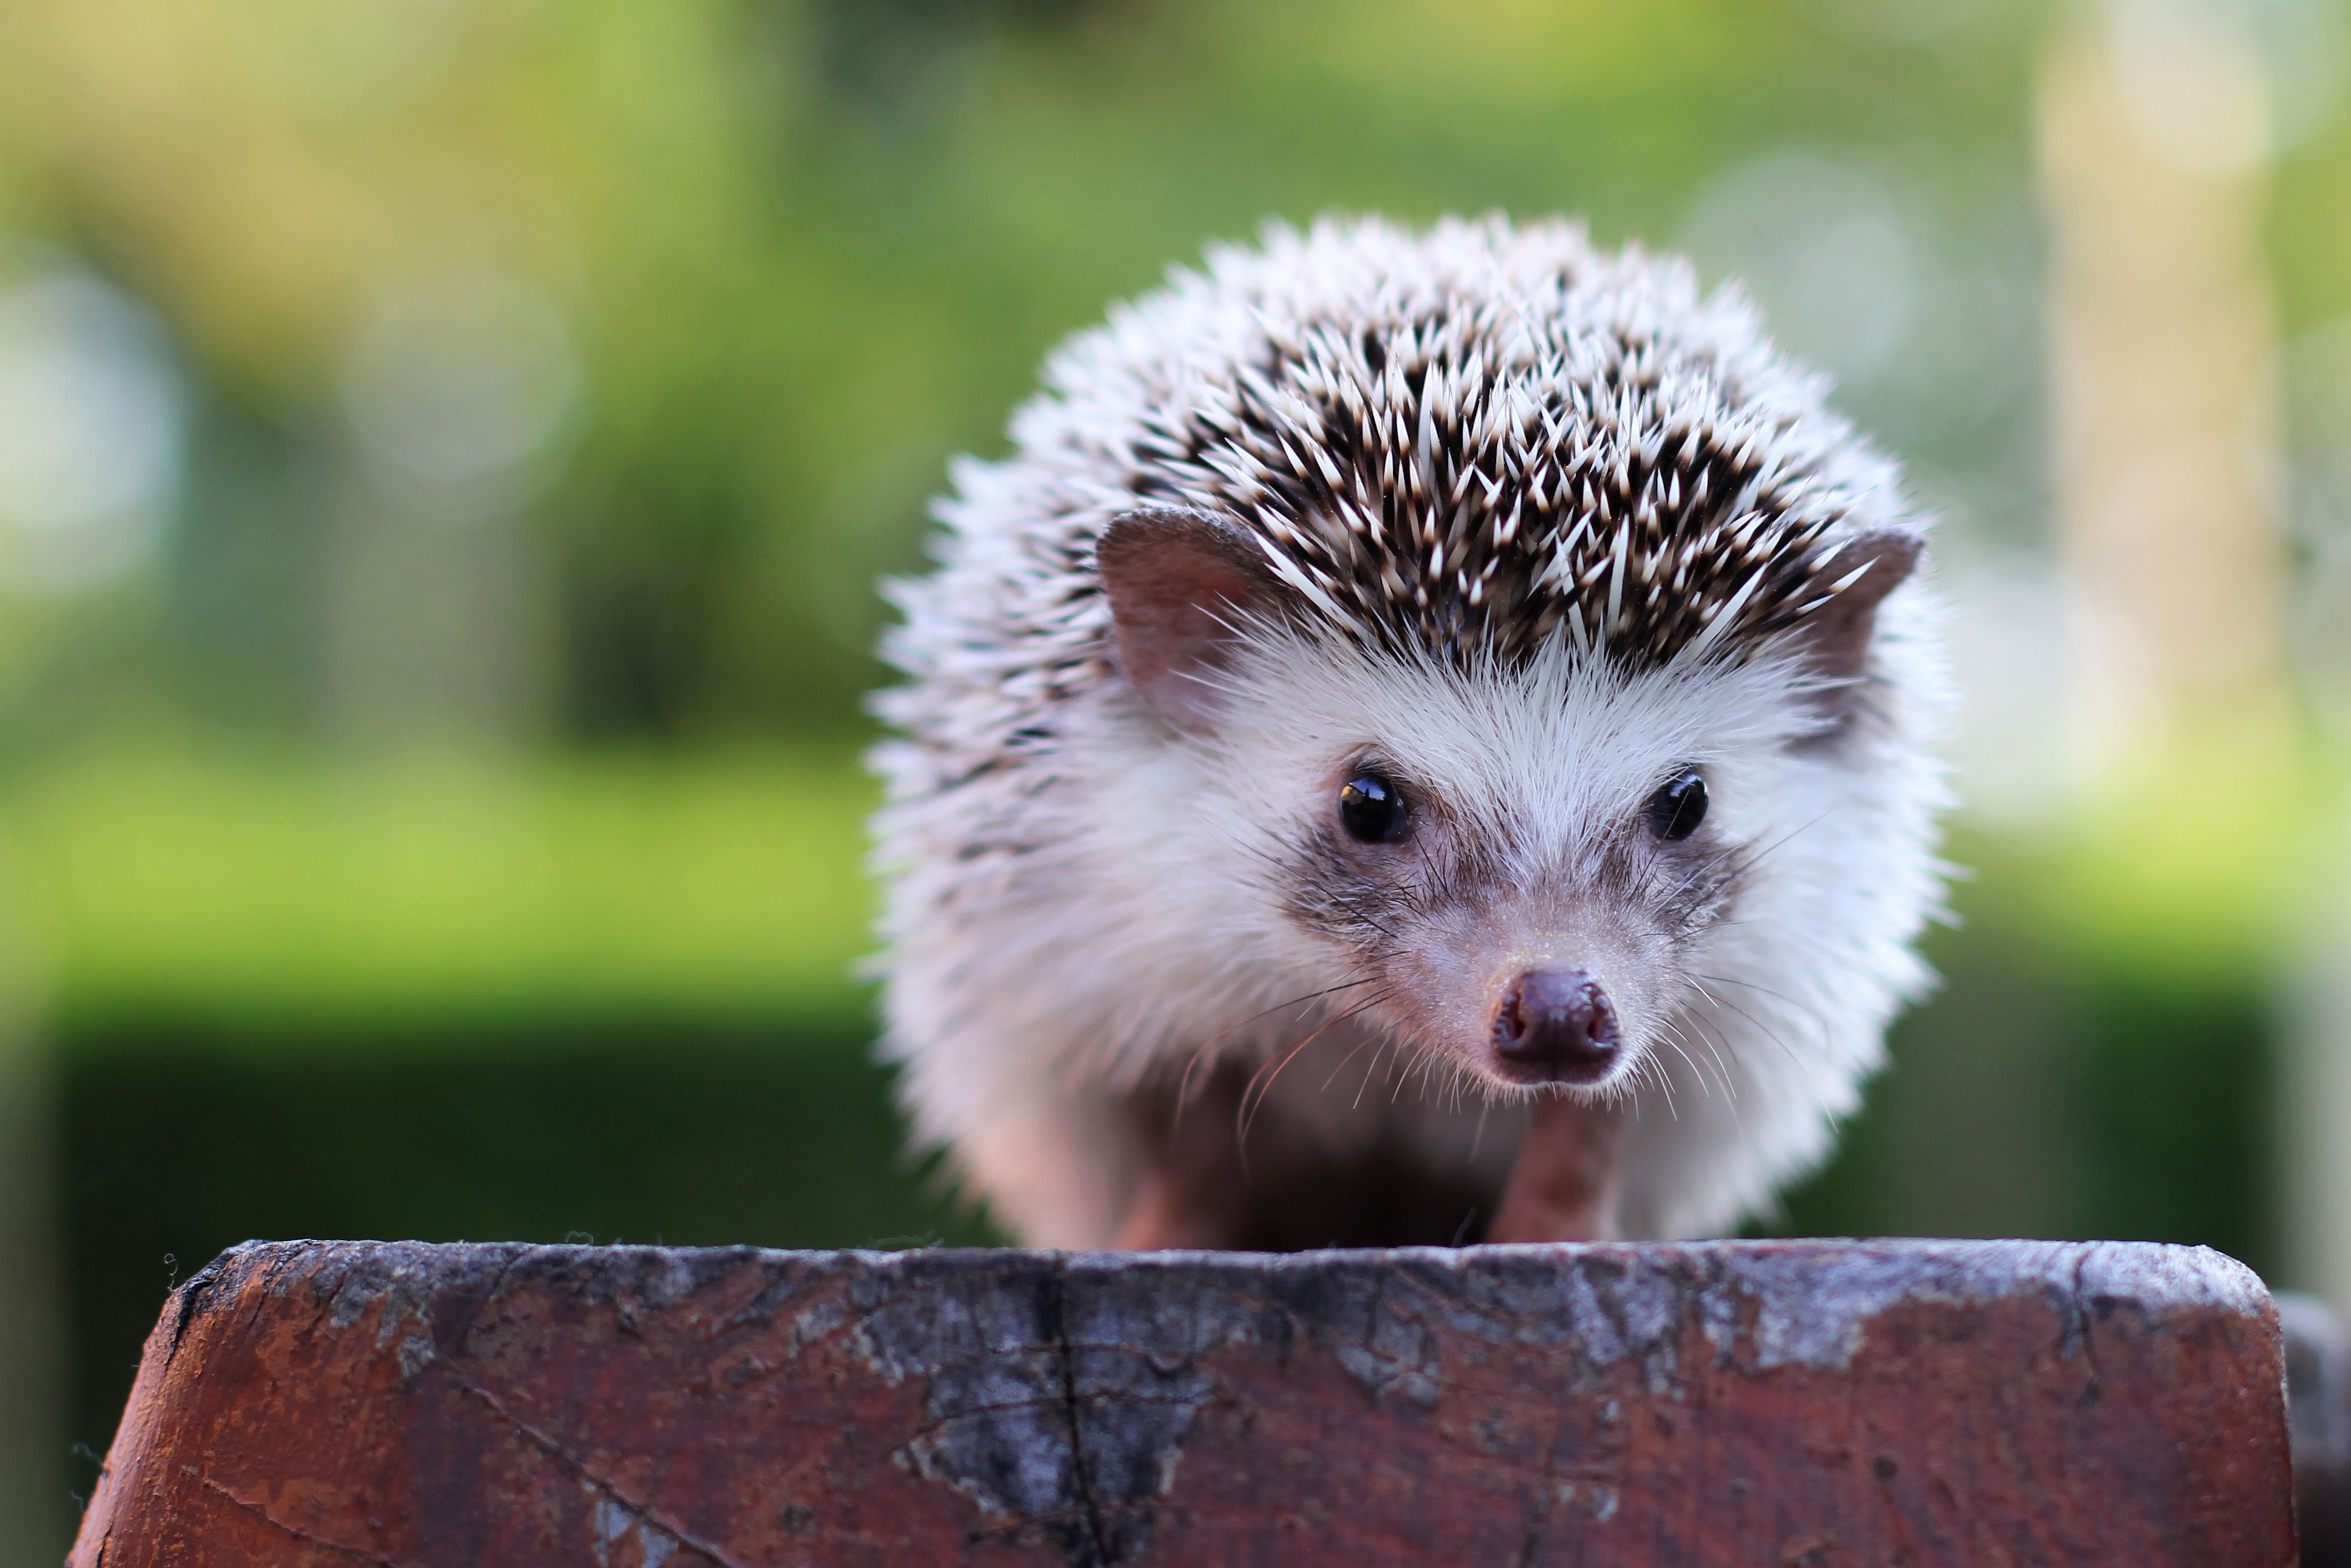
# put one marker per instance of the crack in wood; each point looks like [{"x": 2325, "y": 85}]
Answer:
[
  {"x": 1100, "y": 1553},
  {"x": 307, "y": 1537},
  {"x": 2085, "y": 1326},
  {"x": 637, "y": 1508}
]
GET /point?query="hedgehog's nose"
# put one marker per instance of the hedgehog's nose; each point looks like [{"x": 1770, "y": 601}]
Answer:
[{"x": 1555, "y": 1026}]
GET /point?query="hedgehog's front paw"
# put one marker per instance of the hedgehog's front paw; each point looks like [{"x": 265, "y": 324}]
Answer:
[{"x": 1569, "y": 1174}]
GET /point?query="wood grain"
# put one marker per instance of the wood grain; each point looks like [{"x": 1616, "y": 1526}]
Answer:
[{"x": 1826, "y": 1403}]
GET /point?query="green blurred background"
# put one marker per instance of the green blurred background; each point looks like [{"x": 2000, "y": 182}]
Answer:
[{"x": 448, "y": 447}]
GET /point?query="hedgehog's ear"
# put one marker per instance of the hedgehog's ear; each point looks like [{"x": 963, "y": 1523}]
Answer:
[
  {"x": 1835, "y": 638},
  {"x": 1181, "y": 585}
]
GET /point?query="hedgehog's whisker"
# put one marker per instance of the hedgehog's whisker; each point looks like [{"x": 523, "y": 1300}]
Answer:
[
  {"x": 1664, "y": 1087},
  {"x": 1245, "y": 1113},
  {"x": 1820, "y": 1019},
  {"x": 1721, "y": 1073},
  {"x": 1781, "y": 842},
  {"x": 1772, "y": 1034},
  {"x": 1356, "y": 1051},
  {"x": 1200, "y": 1052},
  {"x": 1717, "y": 1043},
  {"x": 1742, "y": 860},
  {"x": 1370, "y": 1070},
  {"x": 1422, "y": 1064},
  {"x": 1664, "y": 1079}
]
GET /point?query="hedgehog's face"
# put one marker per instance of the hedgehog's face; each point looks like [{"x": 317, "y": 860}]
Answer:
[
  {"x": 1515, "y": 872},
  {"x": 1433, "y": 890},
  {"x": 1521, "y": 867}
]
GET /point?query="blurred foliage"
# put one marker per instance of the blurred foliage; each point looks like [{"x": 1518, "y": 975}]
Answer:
[
  {"x": 283, "y": 888},
  {"x": 806, "y": 251}
]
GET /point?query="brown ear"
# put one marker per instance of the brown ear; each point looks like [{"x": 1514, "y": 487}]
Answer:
[
  {"x": 1180, "y": 585},
  {"x": 1836, "y": 637}
]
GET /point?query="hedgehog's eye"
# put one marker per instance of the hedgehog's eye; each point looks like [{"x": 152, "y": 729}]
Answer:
[
  {"x": 1371, "y": 808},
  {"x": 1677, "y": 809}
]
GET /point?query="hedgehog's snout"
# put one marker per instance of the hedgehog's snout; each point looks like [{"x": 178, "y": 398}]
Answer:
[{"x": 1556, "y": 1026}]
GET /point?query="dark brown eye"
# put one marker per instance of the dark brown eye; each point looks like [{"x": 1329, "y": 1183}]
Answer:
[
  {"x": 1371, "y": 808},
  {"x": 1676, "y": 811}
]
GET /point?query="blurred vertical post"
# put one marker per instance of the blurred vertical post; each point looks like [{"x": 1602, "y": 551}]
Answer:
[
  {"x": 32, "y": 1348},
  {"x": 90, "y": 472},
  {"x": 2153, "y": 144},
  {"x": 460, "y": 388},
  {"x": 2315, "y": 1120},
  {"x": 2158, "y": 119}
]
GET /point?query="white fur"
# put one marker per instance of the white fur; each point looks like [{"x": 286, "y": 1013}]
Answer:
[{"x": 1078, "y": 897}]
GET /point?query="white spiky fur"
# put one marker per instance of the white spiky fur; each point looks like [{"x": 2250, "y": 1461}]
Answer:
[{"x": 1077, "y": 897}]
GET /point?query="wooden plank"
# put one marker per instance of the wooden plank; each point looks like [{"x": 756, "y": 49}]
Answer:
[{"x": 1826, "y": 1404}]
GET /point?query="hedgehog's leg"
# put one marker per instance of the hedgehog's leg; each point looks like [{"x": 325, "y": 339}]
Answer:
[
  {"x": 1169, "y": 1216},
  {"x": 1567, "y": 1178},
  {"x": 1279, "y": 1181},
  {"x": 1194, "y": 1192}
]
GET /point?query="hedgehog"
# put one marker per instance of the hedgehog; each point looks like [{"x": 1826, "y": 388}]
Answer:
[{"x": 1425, "y": 738}]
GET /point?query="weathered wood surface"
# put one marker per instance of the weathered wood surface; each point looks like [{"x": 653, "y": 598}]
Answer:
[{"x": 1826, "y": 1403}]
